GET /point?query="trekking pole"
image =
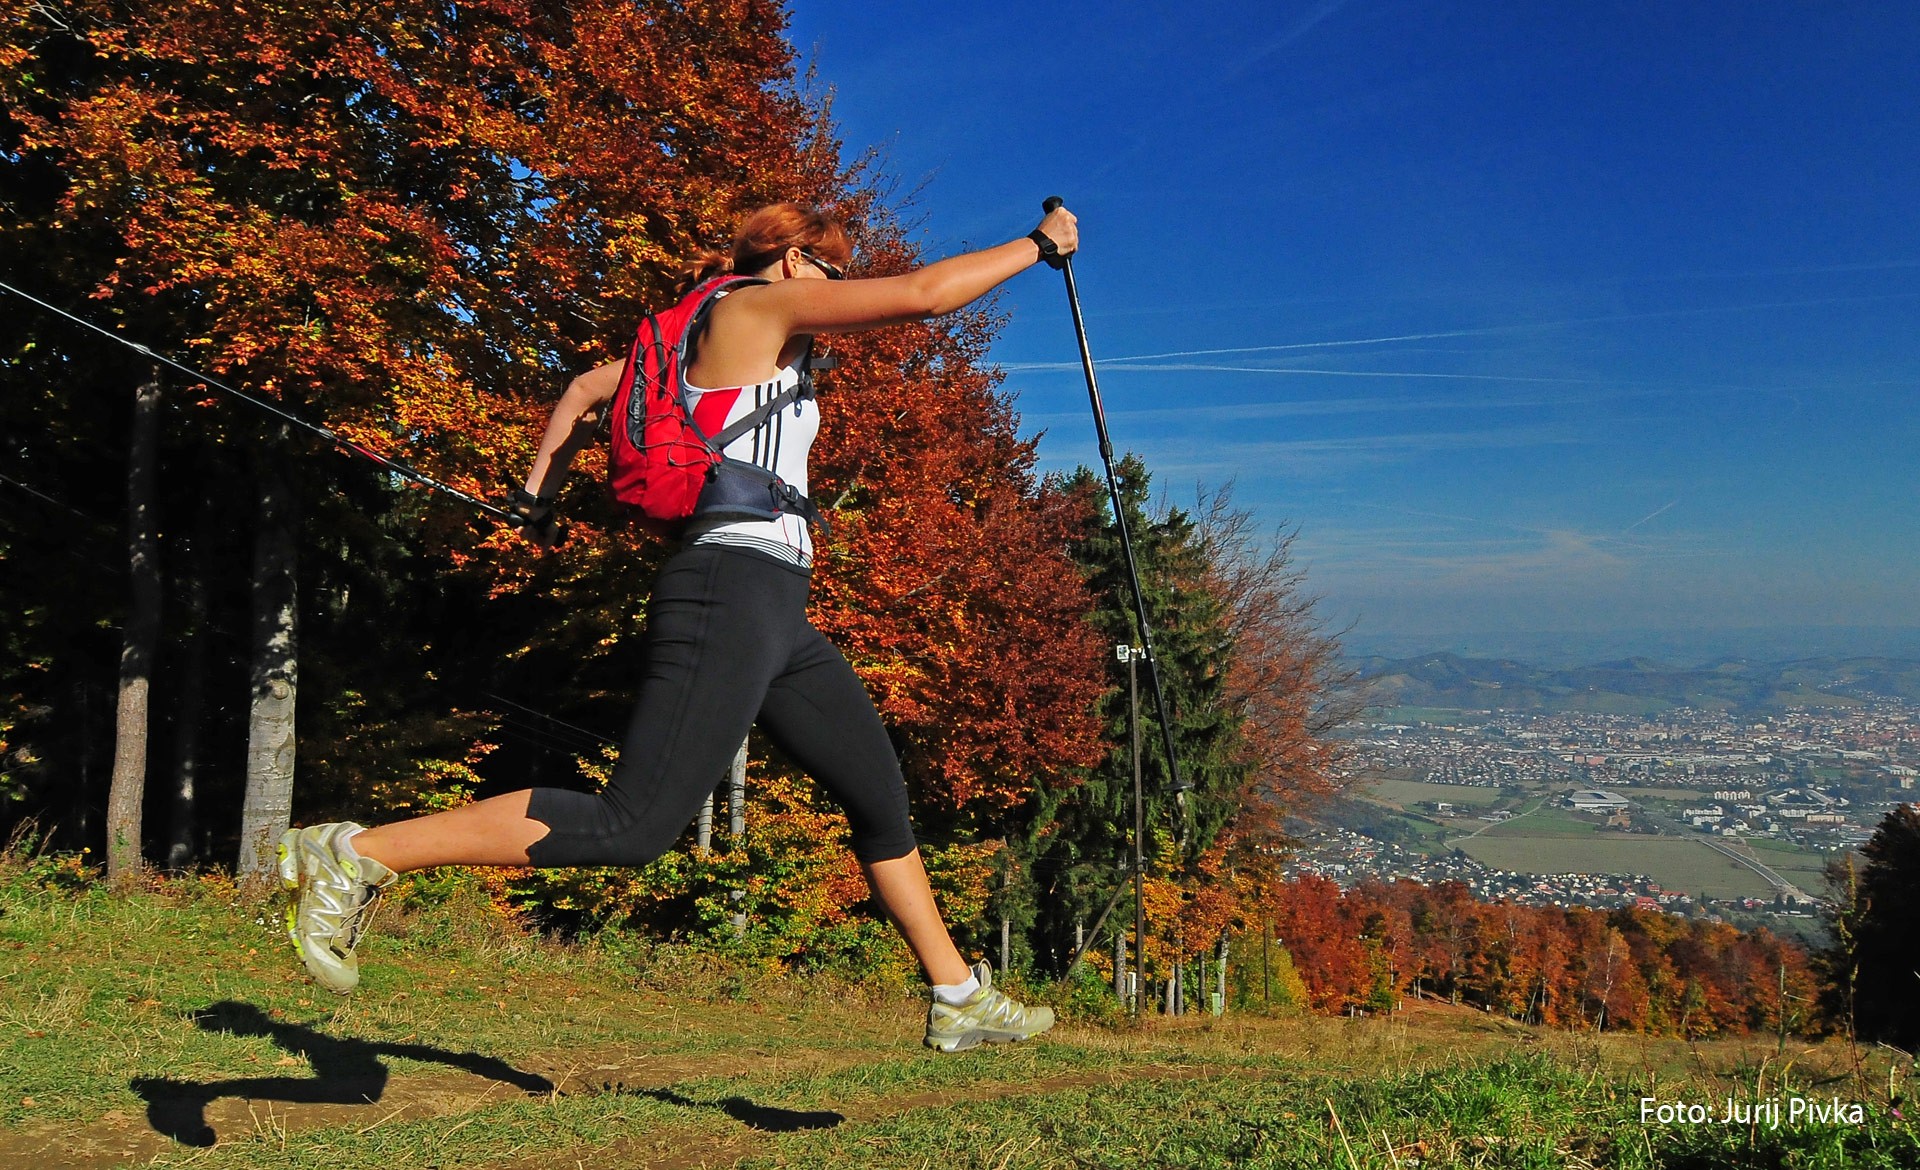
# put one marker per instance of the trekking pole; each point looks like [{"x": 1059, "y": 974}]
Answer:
[{"x": 1180, "y": 786}]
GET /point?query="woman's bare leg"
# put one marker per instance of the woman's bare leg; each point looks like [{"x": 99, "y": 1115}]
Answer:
[
  {"x": 901, "y": 886},
  {"x": 494, "y": 831}
]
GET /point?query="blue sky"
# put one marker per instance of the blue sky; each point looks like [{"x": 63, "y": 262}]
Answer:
[{"x": 1596, "y": 317}]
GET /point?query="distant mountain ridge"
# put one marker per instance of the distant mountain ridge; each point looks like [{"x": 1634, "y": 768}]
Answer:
[{"x": 1635, "y": 685}]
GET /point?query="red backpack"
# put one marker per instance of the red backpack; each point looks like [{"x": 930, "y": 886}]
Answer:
[{"x": 666, "y": 463}]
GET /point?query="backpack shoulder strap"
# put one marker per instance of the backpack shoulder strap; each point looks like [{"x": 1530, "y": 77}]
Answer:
[
  {"x": 706, "y": 297},
  {"x": 689, "y": 343},
  {"x": 801, "y": 389},
  {"x": 702, "y": 298}
]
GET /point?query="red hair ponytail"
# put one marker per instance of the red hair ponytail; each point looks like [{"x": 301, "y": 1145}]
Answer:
[
  {"x": 764, "y": 234},
  {"x": 704, "y": 268}
]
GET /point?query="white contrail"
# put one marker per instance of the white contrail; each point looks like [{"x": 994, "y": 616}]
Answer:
[
  {"x": 1300, "y": 29},
  {"x": 1408, "y": 337},
  {"x": 1207, "y": 367},
  {"x": 1481, "y": 332},
  {"x": 1647, "y": 517},
  {"x": 1144, "y": 135},
  {"x": 1147, "y": 357}
]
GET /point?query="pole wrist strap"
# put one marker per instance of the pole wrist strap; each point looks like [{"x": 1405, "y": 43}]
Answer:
[{"x": 1049, "y": 251}]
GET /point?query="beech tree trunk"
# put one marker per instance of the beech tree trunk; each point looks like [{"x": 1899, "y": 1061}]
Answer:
[
  {"x": 703, "y": 831},
  {"x": 1220, "y": 981},
  {"x": 737, "y": 824},
  {"x": 267, "y": 808},
  {"x": 127, "y": 790}
]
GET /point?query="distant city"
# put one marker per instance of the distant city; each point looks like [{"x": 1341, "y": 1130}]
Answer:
[{"x": 1699, "y": 810}]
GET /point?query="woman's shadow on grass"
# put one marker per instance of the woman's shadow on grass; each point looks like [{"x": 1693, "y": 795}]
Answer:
[
  {"x": 765, "y": 1118},
  {"x": 346, "y": 1072}
]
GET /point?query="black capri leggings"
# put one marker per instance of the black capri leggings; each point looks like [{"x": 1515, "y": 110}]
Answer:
[{"x": 728, "y": 645}]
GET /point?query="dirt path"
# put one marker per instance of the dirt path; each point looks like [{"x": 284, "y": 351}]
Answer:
[
  {"x": 124, "y": 1136},
  {"x": 129, "y": 1137}
]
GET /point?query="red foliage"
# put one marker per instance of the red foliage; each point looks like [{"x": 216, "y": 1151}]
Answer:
[
  {"x": 1624, "y": 970},
  {"x": 415, "y": 221},
  {"x": 947, "y": 584}
]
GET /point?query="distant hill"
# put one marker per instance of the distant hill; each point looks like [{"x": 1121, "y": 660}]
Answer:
[{"x": 1635, "y": 685}]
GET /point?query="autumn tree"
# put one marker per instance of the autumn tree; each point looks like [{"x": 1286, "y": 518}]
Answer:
[
  {"x": 1287, "y": 691},
  {"x": 411, "y": 220},
  {"x": 1318, "y": 926},
  {"x": 1285, "y": 681},
  {"x": 1628, "y": 969},
  {"x": 947, "y": 579}
]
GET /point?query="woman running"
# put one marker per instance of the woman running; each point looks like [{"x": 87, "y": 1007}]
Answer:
[{"x": 727, "y": 643}]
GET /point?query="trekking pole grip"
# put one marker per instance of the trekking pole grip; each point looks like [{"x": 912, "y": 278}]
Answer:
[{"x": 1048, "y": 253}]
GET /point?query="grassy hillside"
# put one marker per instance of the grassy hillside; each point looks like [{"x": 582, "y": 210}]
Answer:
[{"x": 170, "y": 1027}]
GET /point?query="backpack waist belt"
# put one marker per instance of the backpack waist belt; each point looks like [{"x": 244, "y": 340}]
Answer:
[{"x": 745, "y": 491}]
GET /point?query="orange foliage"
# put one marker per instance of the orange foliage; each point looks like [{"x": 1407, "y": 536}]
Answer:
[
  {"x": 407, "y": 218},
  {"x": 1624, "y": 970},
  {"x": 414, "y": 221},
  {"x": 947, "y": 584}
]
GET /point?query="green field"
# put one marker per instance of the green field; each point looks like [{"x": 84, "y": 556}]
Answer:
[
  {"x": 1805, "y": 868},
  {"x": 1403, "y": 793},
  {"x": 1431, "y": 833},
  {"x": 171, "y": 1027},
  {"x": 1549, "y": 819},
  {"x": 1676, "y": 863}
]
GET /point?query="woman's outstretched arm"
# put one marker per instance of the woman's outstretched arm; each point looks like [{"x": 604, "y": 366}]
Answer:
[{"x": 794, "y": 307}]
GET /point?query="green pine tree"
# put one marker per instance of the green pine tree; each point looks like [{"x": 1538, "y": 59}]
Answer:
[
  {"x": 1871, "y": 967},
  {"x": 1080, "y": 839}
]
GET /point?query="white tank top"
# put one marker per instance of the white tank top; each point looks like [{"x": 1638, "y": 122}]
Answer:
[{"x": 779, "y": 444}]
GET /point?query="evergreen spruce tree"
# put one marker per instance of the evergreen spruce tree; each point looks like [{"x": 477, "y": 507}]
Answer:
[
  {"x": 1081, "y": 838},
  {"x": 1877, "y": 954}
]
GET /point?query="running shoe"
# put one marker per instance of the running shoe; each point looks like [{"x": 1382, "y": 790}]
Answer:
[
  {"x": 988, "y": 1017},
  {"x": 334, "y": 891}
]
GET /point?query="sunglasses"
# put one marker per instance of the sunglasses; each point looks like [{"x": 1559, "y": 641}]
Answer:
[{"x": 834, "y": 272}]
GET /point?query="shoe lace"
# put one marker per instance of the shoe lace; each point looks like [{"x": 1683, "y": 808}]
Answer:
[
  {"x": 355, "y": 922},
  {"x": 1004, "y": 1010}
]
